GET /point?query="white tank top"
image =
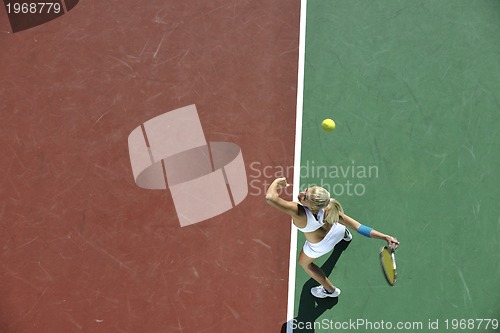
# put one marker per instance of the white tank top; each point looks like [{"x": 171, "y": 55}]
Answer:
[{"x": 313, "y": 223}]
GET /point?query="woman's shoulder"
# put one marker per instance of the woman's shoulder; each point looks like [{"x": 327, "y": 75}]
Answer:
[
  {"x": 301, "y": 209},
  {"x": 300, "y": 220}
]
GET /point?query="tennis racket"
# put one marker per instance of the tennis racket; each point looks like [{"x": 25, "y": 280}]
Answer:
[{"x": 388, "y": 263}]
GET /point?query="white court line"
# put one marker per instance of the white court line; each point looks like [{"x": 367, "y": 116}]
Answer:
[{"x": 296, "y": 163}]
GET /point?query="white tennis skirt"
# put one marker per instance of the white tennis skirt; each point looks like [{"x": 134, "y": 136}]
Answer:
[{"x": 335, "y": 235}]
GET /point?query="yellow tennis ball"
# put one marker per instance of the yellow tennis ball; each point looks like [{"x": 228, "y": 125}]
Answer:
[{"x": 328, "y": 125}]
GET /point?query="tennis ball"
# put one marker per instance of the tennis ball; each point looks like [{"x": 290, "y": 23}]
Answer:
[{"x": 328, "y": 125}]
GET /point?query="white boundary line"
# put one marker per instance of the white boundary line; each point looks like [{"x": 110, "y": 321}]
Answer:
[{"x": 296, "y": 163}]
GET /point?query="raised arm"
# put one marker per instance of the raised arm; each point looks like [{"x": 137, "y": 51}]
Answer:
[
  {"x": 366, "y": 231},
  {"x": 273, "y": 198}
]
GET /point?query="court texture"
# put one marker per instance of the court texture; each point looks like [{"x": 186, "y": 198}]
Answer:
[{"x": 87, "y": 245}]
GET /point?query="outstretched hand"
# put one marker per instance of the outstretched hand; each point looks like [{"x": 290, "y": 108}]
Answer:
[{"x": 392, "y": 242}]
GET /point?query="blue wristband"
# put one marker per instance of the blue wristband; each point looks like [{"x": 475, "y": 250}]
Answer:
[{"x": 364, "y": 230}]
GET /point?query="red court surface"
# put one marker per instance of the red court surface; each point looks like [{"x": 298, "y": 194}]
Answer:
[{"x": 83, "y": 249}]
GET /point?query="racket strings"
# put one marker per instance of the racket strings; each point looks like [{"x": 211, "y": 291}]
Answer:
[{"x": 388, "y": 266}]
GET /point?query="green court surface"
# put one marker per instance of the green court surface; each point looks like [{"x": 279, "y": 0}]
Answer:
[{"x": 414, "y": 88}]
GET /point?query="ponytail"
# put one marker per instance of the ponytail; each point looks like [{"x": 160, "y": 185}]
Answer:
[{"x": 332, "y": 216}]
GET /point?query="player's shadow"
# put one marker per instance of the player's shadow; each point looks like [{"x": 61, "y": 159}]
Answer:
[{"x": 310, "y": 307}]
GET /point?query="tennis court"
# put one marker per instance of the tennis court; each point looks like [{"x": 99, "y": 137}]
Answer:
[
  {"x": 414, "y": 90},
  {"x": 413, "y": 87},
  {"x": 84, "y": 248}
]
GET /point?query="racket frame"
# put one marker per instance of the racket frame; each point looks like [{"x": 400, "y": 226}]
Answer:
[{"x": 393, "y": 259}]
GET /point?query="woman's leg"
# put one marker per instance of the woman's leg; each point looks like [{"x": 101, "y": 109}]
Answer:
[{"x": 314, "y": 271}]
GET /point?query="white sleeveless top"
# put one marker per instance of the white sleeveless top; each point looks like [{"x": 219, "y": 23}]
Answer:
[{"x": 313, "y": 223}]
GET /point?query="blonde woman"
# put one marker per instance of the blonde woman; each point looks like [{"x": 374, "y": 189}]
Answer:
[{"x": 323, "y": 222}]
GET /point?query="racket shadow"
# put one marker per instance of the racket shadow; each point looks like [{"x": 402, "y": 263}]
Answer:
[{"x": 310, "y": 307}]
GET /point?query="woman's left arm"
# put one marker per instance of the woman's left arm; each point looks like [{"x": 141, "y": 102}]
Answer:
[{"x": 273, "y": 198}]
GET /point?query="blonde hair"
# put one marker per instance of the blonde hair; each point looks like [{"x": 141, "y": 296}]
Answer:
[{"x": 321, "y": 198}]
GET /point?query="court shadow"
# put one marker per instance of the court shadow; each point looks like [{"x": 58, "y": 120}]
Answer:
[{"x": 310, "y": 307}]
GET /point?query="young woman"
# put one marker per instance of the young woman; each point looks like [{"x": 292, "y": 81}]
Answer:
[{"x": 323, "y": 222}]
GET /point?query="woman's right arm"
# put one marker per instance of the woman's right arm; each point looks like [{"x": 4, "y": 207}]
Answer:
[
  {"x": 273, "y": 198},
  {"x": 372, "y": 233}
]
